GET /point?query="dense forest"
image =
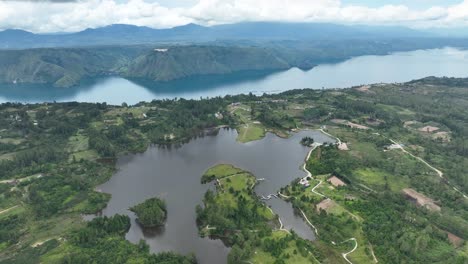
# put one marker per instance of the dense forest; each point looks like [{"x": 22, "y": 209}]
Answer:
[
  {"x": 53, "y": 155},
  {"x": 151, "y": 213}
]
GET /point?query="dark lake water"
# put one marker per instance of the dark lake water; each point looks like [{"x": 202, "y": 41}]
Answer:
[
  {"x": 174, "y": 174},
  {"x": 396, "y": 67}
]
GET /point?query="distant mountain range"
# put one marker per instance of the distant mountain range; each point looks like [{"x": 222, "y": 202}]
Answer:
[
  {"x": 120, "y": 34},
  {"x": 64, "y": 60}
]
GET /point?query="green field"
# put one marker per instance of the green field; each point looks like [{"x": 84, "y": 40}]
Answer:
[
  {"x": 250, "y": 132},
  {"x": 74, "y": 147},
  {"x": 294, "y": 255}
]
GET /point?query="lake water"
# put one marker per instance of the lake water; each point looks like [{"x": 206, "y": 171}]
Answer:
[
  {"x": 396, "y": 67},
  {"x": 174, "y": 174}
]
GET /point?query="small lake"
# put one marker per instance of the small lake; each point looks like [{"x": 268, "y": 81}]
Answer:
[
  {"x": 396, "y": 67},
  {"x": 174, "y": 174}
]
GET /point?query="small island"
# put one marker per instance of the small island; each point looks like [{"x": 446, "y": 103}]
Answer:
[
  {"x": 307, "y": 141},
  {"x": 151, "y": 213}
]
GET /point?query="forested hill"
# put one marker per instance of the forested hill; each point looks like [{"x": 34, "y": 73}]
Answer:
[
  {"x": 65, "y": 67},
  {"x": 62, "y": 67},
  {"x": 178, "y": 62}
]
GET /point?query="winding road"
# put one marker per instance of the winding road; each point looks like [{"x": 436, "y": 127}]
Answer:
[
  {"x": 440, "y": 173},
  {"x": 307, "y": 220},
  {"x": 345, "y": 255},
  {"x": 330, "y": 135},
  {"x": 313, "y": 190}
]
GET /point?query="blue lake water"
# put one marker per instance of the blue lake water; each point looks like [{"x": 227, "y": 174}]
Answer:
[{"x": 396, "y": 67}]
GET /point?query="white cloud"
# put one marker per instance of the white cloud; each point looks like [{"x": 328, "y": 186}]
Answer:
[{"x": 49, "y": 16}]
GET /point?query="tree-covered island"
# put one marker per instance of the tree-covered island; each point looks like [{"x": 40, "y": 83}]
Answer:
[
  {"x": 396, "y": 185},
  {"x": 151, "y": 213}
]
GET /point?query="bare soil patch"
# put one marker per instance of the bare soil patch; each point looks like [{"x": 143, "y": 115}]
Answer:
[
  {"x": 364, "y": 88},
  {"x": 429, "y": 129},
  {"x": 455, "y": 240},
  {"x": 335, "y": 181},
  {"x": 325, "y": 205},
  {"x": 343, "y": 146},
  {"x": 420, "y": 199},
  {"x": 409, "y": 123},
  {"x": 444, "y": 136}
]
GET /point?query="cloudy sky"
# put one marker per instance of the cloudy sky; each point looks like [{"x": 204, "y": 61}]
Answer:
[{"x": 43, "y": 16}]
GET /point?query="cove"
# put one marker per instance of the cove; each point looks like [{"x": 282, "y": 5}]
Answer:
[
  {"x": 395, "y": 67},
  {"x": 174, "y": 174}
]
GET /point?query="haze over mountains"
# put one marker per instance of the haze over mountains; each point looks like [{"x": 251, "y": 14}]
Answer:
[{"x": 120, "y": 34}]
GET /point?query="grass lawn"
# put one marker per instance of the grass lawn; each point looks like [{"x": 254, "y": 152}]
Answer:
[
  {"x": 239, "y": 181},
  {"x": 235, "y": 181},
  {"x": 222, "y": 170},
  {"x": 41, "y": 230},
  {"x": 262, "y": 257},
  {"x": 360, "y": 255},
  {"x": 250, "y": 132},
  {"x": 377, "y": 178},
  {"x": 77, "y": 143},
  {"x": 14, "y": 211},
  {"x": 242, "y": 182}
]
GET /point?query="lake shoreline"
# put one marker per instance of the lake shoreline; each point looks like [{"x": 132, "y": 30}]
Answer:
[
  {"x": 396, "y": 67},
  {"x": 134, "y": 235}
]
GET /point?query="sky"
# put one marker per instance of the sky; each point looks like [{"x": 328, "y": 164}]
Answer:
[{"x": 47, "y": 16}]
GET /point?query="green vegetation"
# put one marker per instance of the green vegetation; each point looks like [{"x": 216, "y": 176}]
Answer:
[
  {"x": 178, "y": 62},
  {"x": 234, "y": 206},
  {"x": 52, "y": 156},
  {"x": 62, "y": 67},
  {"x": 101, "y": 241},
  {"x": 307, "y": 141},
  {"x": 66, "y": 67},
  {"x": 151, "y": 213},
  {"x": 58, "y": 153},
  {"x": 371, "y": 207},
  {"x": 220, "y": 171},
  {"x": 248, "y": 129},
  {"x": 235, "y": 215}
]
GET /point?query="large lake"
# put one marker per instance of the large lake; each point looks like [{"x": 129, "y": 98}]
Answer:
[
  {"x": 174, "y": 174},
  {"x": 396, "y": 67}
]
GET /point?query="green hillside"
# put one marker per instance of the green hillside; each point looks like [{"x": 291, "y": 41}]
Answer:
[
  {"x": 66, "y": 67},
  {"x": 179, "y": 62},
  {"x": 60, "y": 67}
]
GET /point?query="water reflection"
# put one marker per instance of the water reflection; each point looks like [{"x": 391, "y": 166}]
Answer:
[
  {"x": 397, "y": 67},
  {"x": 174, "y": 174}
]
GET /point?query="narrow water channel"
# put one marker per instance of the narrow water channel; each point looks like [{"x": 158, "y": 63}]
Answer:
[{"x": 174, "y": 175}]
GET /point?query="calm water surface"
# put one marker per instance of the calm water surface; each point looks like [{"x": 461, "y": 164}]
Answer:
[
  {"x": 174, "y": 174},
  {"x": 397, "y": 67}
]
